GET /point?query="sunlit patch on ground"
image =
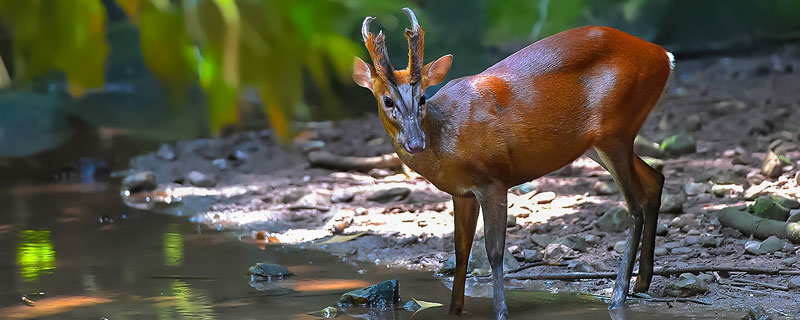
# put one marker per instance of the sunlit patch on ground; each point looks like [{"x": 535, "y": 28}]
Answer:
[{"x": 51, "y": 306}]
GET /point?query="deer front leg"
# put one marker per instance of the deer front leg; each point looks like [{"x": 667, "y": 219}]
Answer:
[
  {"x": 465, "y": 214},
  {"x": 493, "y": 201}
]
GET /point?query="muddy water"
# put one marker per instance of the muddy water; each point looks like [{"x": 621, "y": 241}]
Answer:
[{"x": 91, "y": 257}]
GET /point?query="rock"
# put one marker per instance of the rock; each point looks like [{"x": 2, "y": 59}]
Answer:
[
  {"x": 165, "y": 153},
  {"x": 757, "y": 313},
  {"x": 794, "y": 216},
  {"x": 312, "y": 145},
  {"x": 511, "y": 220},
  {"x": 379, "y": 173},
  {"x": 726, "y": 177},
  {"x": 693, "y": 122},
  {"x": 294, "y": 195},
  {"x": 614, "y": 220},
  {"x": 753, "y": 247},
  {"x": 706, "y": 277},
  {"x": 770, "y": 207},
  {"x": 411, "y": 306},
  {"x": 643, "y": 146},
  {"x": 532, "y": 255},
  {"x": 722, "y": 190},
  {"x": 755, "y": 191},
  {"x": 544, "y": 197},
  {"x": 558, "y": 252},
  {"x": 382, "y": 295},
  {"x": 542, "y": 240},
  {"x": 389, "y": 195},
  {"x": 267, "y": 271},
  {"x": 478, "y": 260},
  {"x": 200, "y": 179},
  {"x": 678, "y": 145},
  {"x": 772, "y": 244},
  {"x": 140, "y": 182},
  {"x": 695, "y": 188},
  {"x": 661, "y": 229},
  {"x": 786, "y": 202},
  {"x": 220, "y": 163},
  {"x": 574, "y": 242},
  {"x": 672, "y": 245},
  {"x": 619, "y": 246},
  {"x": 604, "y": 188},
  {"x": 341, "y": 195},
  {"x": 591, "y": 239},
  {"x": 692, "y": 240},
  {"x": 660, "y": 251},
  {"x": 672, "y": 203},
  {"x": 681, "y": 250},
  {"x": 794, "y": 283},
  {"x": 580, "y": 266},
  {"x": 789, "y": 262},
  {"x": 687, "y": 285},
  {"x": 685, "y": 222},
  {"x": 772, "y": 166}
]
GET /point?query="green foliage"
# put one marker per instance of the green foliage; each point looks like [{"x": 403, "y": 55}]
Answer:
[
  {"x": 59, "y": 35},
  {"x": 224, "y": 46}
]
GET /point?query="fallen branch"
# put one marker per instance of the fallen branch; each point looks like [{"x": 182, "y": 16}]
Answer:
[
  {"x": 763, "y": 284},
  {"x": 536, "y": 264},
  {"x": 759, "y": 227},
  {"x": 648, "y": 298},
  {"x": 329, "y": 160},
  {"x": 658, "y": 271}
]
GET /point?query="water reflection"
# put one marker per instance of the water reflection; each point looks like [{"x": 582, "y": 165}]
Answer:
[
  {"x": 35, "y": 254},
  {"x": 188, "y": 303},
  {"x": 173, "y": 246}
]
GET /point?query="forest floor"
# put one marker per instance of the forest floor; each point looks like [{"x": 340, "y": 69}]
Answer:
[{"x": 734, "y": 110}]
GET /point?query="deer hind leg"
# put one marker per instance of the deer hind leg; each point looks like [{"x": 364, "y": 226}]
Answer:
[
  {"x": 618, "y": 159},
  {"x": 652, "y": 183},
  {"x": 465, "y": 214}
]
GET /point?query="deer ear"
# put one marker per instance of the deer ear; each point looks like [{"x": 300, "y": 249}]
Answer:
[
  {"x": 362, "y": 73},
  {"x": 435, "y": 71}
]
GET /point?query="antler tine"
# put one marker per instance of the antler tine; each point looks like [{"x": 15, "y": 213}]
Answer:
[
  {"x": 413, "y": 18},
  {"x": 365, "y": 28}
]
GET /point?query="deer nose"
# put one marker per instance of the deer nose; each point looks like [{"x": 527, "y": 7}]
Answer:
[{"x": 414, "y": 146}]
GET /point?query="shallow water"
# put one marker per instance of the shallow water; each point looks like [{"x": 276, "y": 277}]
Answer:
[{"x": 149, "y": 266}]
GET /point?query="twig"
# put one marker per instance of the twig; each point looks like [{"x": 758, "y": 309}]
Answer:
[
  {"x": 763, "y": 284},
  {"x": 332, "y": 161},
  {"x": 648, "y": 298}
]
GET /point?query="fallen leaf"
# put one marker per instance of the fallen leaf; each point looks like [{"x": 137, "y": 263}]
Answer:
[
  {"x": 425, "y": 305},
  {"x": 343, "y": 238}
]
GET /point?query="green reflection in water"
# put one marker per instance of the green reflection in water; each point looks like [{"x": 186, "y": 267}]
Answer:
[
  {"x": 188, "y": 303},
  {"x": 35, "y": 254},
  {"x": 173, "y": 247}
]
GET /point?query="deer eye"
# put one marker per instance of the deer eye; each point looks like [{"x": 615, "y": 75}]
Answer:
[
  {"x": 422, "y": 100},
  {"x": 388, "y": 102}
]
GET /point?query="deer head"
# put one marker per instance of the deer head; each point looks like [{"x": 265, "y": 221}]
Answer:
[{"x": 400, "y": 93}]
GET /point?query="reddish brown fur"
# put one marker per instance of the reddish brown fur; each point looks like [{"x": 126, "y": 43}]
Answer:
[{"x": 547, "y": 119}]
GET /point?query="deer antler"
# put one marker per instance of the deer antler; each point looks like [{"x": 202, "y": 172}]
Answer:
[
  {"x": 376, "y": 45},
  {"x": 416, "y": 46}
]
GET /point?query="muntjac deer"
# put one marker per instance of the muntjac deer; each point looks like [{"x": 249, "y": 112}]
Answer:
[{"x": 586, "y": 90}]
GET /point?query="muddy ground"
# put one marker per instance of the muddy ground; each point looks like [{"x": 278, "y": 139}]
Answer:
[{"x": 736, "y": 109}]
